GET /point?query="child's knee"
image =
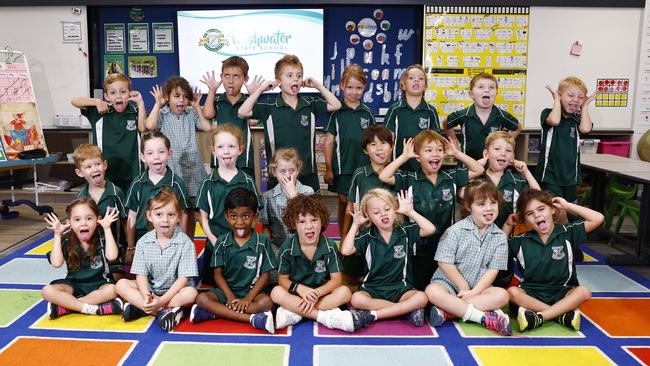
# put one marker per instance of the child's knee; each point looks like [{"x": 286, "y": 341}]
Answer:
[
  {"x": 343, "y": 294},
  {"x": 189, "y": 293},
  {"x": 122, "y": 285},
  {"x": 421, "y": 299},
  {"x": 278, "y": 293},
  {"x": 514, "y": 293},
  {"x": 47, "y": 291},
  {"x": 264, "y": 303},
  {"x": 433, "y": 292},
  {"x": 584, "y": 292},
  {"x": 502, "y": 296},
  {"x": 358, "y": 299}
]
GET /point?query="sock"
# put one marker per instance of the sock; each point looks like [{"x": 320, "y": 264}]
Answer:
[
  {"x": 374, "y": 313},
  {"x": 321, "y": 317},
  {"x": 250, "y": 319},
  {"x": 472, "y": 314},
  {"x": 89, "y": 309}
]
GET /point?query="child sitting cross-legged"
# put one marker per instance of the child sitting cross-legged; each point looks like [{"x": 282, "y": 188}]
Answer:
[
  {"x": 387, "y": 244},
  {"x": 242, "y": 261}
]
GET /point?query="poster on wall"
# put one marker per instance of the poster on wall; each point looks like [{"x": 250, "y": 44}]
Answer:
[
  {"x": 383, "y": 41},
  {"x": 138, "y": 38},
  {"x": 163, "y": 37},
  {"x": 114, "y": 39},
  {"x": 143, "y": 67},
  {"x": 461, "y": 42},
  {"x": 113, "y": 64}
]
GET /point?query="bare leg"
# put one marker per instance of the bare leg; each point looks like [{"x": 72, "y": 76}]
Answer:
[
  {"x": 128, "y": 290},
  {"x": 61, "y": 295},
  {"x": 573, "y": 299},
  {"x": 210, "y": 302},
  {"x": 184, "y": 297},
  {"x": 103, "y": 294},
  {"x": 410, "y": 301},
  {"x": 336, "y": 298}
]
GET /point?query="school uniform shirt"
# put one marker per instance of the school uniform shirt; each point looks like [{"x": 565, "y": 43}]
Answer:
[
  {"x": 186, "y": 160},
  {"x": 472, "y": 253},
  {"x": 142, "y": 189},
  {"x": 111, "y": 197},
  {"x": 364, "y": 179},
  {"x": 387, "y": 265},
  {"x": 474, "y": 132},
  {"x": 549, "y": 267},
  {"x": 559, "y": 155},
  {"x": 227, "y": 113},
  {"x": 163, "y": 266},
  {"x": 288, "y": 127},
  {"x": 212, "y": 196},
  {"x": 347, "y": 125},
  {"x": 274, "y": 203},
  {"x": 116, "y": 134},
  {"x": 407, "y": 122},
  {"x": 243, "y": 265},
  {"x": 511, "y": 184},
  {"x": 436, "y": 201},
  {"x": 314, "y": 273},
  {"x": 95, "y": 270}
]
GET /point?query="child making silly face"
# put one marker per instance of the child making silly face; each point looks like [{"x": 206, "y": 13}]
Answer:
[{"x": 226, "y": 148}]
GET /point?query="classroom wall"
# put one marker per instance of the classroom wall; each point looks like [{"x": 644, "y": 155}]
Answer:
[
  {"x": 610, "y": 39},
  {"x": 59, "y": 70}
]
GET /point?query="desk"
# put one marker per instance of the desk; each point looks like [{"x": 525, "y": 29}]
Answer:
[
  {"x": 633, "y": 170},
  {"x": 11, "y": 165}
]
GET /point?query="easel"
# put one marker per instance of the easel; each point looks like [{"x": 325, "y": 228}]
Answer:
[{"x": 12, "y": 57}]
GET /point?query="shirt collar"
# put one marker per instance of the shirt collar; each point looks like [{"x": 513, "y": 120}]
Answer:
[
  {"x": 321, "y": 247},
  {"x": 397, "y": 230},
  {"x": 165, "y": 110},
  {"x": 277, "y": 190},
  {"x": 130, "y": 108},
  {"x": 223, "y": 97},
  {"x": 177, "y": 237},
  {"x": 239, "y": 177},
  {"x": 468, "y": 224},
  {"x": 249, "y": 244},
  {"x": 368, "y": 170},
  {"x": 423, "y": 104},
  {"x": 279, "y": 102},
  {"x": 442, "y": 175}
]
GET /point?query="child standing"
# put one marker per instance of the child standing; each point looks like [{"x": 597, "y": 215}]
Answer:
[
  {"x": 242, "y": 261},
  {"x": 156, "y": 151},
  {"x": 115, "y": 124},
  {"x": 223, "y": 108},
  {"x": 88, "y": 286},
  {"x": 549, "y": 288},
  {"x": 558, "y": 168},
  {"x": 434, "y": 191},
  {"x": 226, "y": 146},
  {"x": 179, "y": 122},
  {"x": 412, "y": 114},
  {"x": 346, "y": 126},
  {"x": 90, "y": 165},
  {"x": 470, "y": 254},
  {"x": 164, "y": 262},
  {"x": 310, "y": 270},
  {"x": 387, "y": 245},
  {"x": 290, "y": 119},
  {"x": 377, "y": 143},
  {"x": 481, "y": 118}
]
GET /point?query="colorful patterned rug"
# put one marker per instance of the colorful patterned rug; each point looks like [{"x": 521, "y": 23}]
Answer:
[{"x": 615, "y": 330}]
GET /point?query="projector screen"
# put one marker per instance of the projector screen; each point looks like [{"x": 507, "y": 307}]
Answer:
[{"x": 261, "y": 37}]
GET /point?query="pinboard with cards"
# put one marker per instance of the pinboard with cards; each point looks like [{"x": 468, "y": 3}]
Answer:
[{"x": 460, "y": 42}]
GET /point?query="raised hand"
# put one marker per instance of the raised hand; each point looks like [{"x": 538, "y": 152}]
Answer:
[
  {"x": 269, "y": 85},
  {"x": 102, "y": 106},
  {"x": 452, "y": 148},
  {"x": 520, "y": 166},
  {"x": 135, "y": 96},
  {"x": 288, "y": 185},
  {"x": 112, "y": 214},
  {"x": 196, "y": 99},
  {"x": 158, "y": 95},
  {"x": 309, "y": 82},
  {"x": 409, "y": 148},
  {"x": 405, "y": 199},
  {"x": 254, "y": 84},
  {"x": 589, "y": 99},
  {"x": 358, "y": 217},
  {"x": 560, "y": 202},
  {"x": 56, "y": 225},
  {"x": 554, "y": 92},
  {"x": 213, "y": 82}
]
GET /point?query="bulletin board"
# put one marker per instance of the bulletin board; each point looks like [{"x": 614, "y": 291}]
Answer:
[
  {"x": 460, "y": 42},
  {"x": 383, "y": 40}
]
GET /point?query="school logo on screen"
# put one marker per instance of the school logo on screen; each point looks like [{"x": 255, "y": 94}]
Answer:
[{"x": 213, "y": 40}]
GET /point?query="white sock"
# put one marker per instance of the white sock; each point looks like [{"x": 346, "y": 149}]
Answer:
[
  {"x": 374, "y": 313},
  {"x": 89, "y": 309},
  {"x": 250, "y": 319},
  {"x": 472, "y": 314},
  {"x": 322, "y": 317}
]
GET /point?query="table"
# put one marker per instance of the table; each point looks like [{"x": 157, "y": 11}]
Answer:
[
  {"x": 636, "y": 171},
  {"x": 12, "y": 165}
]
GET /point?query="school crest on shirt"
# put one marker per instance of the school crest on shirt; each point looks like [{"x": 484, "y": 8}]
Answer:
[
  {"x": 399, "y": 252},
  {"x": 446, "y": 194},
  {"x": 494, "y": 129},
  {"x": 304, "y": 120},
  {"x": 250, "y": 262},
  {"x": 364, "y": 123},
  {"x": 558, "y": 253},
  {"x": 96, "y": 263},
  {"x": 572, "y": 132},
  {"x": 424, "y": 123},
  {"x": 507, "y": 196},
  {"x": 130, "y": 125},
  {"x": 320, "y": 266}
]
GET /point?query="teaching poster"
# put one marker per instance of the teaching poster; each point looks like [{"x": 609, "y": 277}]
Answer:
[{"x": 460, "y": 42}]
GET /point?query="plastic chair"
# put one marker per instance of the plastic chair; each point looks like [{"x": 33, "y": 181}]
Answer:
[
  {"x": 616, "y": 192},
  {"x": 628, "y": 208}
]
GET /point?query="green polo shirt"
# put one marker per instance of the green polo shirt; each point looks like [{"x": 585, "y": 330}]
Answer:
[
  {"x": 407, "y": 122},
  {"x": 116, "y": 134},
  {"x": 559, "y": 151},
  {"x": 387, "y": 264},
  {"x": 142, "y": 189},
  {"x": 288, "y": 127},
  {"x": 474, "y": 132},
  {"x": 312, "y": 273},
  {"x": 227, "y": 113},
  {"x": 364, "y": 179},
  {"x": 212, "y": 196},
  {"x": 92, "y": 270},
  {"x": 549, "y": 268},
  {"x": 436, "y": 201},
  {"x": 510, "y": 185},
  {"x": 111, "y": 197},
  {"x": 243, "y": 265},
  {"x": 347, "y": 125}
]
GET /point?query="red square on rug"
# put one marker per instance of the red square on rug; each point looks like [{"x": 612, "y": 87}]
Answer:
[
  {"x": 382, "y": 328},
  {"x": 223, "y": 326},
  {"x": 642, "y": 354}
]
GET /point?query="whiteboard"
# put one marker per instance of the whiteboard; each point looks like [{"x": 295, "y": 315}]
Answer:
[
  {"x": 610, "y": 38},
  {"x": 59, "y": 70}
]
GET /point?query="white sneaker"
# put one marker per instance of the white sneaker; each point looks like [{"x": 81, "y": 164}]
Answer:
[
  {"x": 339, "y": 319},
  {"x": 285, "y": 318}
]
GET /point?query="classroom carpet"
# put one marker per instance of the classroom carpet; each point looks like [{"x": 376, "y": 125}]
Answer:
[{"x": 615, "y": 330}]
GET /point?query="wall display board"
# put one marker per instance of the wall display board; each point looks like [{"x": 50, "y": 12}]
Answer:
[{"x": 460, "y": 42}]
